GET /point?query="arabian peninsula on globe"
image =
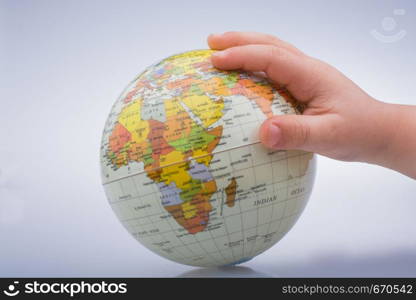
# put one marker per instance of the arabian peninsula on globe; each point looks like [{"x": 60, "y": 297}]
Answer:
[{"x": 183, "y": 168}]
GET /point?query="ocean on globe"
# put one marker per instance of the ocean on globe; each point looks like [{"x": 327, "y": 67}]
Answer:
[{"x": 183, "y": 168}]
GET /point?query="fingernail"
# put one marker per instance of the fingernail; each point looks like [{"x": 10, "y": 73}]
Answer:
[
  {"x": 219, "y": 54},
  {"x": 274, "y": 136}
]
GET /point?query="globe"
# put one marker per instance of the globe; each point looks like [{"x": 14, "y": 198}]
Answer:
[{"x": 183, "y": 168}]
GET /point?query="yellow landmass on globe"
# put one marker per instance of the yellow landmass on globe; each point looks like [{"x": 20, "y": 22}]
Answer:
[
  {"x": 130, "y": 118},
  {"x": 206, "y": 109}
]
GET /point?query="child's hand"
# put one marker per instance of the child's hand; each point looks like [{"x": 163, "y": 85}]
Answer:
[{"x": 340, "y": 120}]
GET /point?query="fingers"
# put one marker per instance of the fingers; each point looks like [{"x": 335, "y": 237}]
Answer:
[
  {"x": 309, "y": 133},
  {"x": 233, "y": 39},
  {"x": 297, "y": 73}
]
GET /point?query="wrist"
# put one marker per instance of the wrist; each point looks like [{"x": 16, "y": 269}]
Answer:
[
  {"x": 395, "y": 146},
  {"x": 384, "y": 118}
]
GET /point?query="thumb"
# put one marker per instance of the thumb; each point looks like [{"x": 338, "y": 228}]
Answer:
[{"x": 304, "y": 132}]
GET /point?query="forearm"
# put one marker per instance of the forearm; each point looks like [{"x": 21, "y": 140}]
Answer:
[{"x": 399, "y": 150}]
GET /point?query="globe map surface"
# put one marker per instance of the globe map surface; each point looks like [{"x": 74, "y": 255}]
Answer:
[{"x": 183, "y": 168}]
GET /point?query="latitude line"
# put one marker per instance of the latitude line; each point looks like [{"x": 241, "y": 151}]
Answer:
[
  {"x": 180, "y": 162},
  {"x": 257, "y": 165},
  {"x": 156, "y": 214},
  {"x": 174, "y": 230}
]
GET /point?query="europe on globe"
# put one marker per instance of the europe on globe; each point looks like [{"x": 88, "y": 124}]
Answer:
[{"x": 183, "y": 168}]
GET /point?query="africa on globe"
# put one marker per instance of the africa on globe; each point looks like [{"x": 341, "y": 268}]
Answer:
[{"x": 183, "y": 168}]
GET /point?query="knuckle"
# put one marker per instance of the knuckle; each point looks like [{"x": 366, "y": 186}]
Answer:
[
  {"x": 273, "y": 54},
  {"x": 234, "y": 51},
  {"x": 301, "y": 133},
  {"x": 318, "y": 72},
  {"x": 275, "y": 51},
  {"x": 311, "y": 78},
  {"x": 272, "y": 38}
]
